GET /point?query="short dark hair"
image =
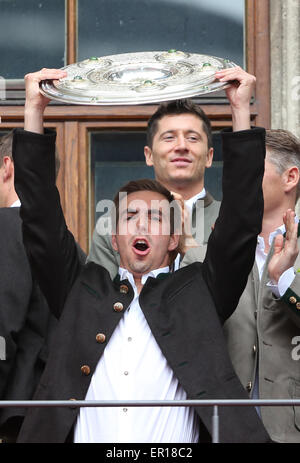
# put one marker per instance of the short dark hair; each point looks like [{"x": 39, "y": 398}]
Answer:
[
  {"x": 6, "y": 146},
  {"x": 284, "y": 151},
  {"x": 177, "y": 107},
  {"x": 146, "y": 184}
]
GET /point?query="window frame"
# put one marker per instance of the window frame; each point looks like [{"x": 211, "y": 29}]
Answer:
[{"x": 73, "y": 123}]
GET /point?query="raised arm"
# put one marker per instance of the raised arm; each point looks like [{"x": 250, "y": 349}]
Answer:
[
  {"x": 239, "y": 94},
  {"x": 35, "y": 102},
  {"x": 231, "y": 247},
  {"x": 50, "y": 246}
]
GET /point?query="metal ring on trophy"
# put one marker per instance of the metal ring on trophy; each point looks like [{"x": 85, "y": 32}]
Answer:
[
  {"x": 137, "y": 78},
  {"x": 90, "y": 62},
  {"x": 76, "y": 82},
  {"x": 185, "y": 68},
  {"x": 172, "y": 55},
  {"x": 148, "y": 86}
]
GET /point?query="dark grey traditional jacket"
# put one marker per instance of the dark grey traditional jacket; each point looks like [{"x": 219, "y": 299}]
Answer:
[
  {"x": 184, "y": 310},
  {"x": 25, "y": 324}
]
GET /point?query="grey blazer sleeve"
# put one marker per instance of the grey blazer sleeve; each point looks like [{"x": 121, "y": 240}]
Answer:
[
  {"x": 102, "y": 252},
  {"x": 291, "y": 299},
  {"x": 194, "y": 255}
]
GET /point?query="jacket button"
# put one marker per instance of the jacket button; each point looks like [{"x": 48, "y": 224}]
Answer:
[
  {"x": 293, "y": 300},
  {"x": 124, "y": 289},
  {"x": 85, "y": 369},
  {"x": 249, "y": 386},
  {"x": 254, "y": 349},
  {"x": 118, "y": 307},
  {"x": 298, "y": 305},
  {"x": 100, "y": 337}
]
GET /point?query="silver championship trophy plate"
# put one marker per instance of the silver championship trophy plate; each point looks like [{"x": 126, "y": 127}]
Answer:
[{"x": 137, "y": 78}]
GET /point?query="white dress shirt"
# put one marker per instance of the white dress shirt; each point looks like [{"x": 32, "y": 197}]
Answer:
[
  {"x": 189, "y": 203},
  {"x": 133, "y": 367},
  {"x": 17, "y": 203},
  {"x": 287, "y": 277}
]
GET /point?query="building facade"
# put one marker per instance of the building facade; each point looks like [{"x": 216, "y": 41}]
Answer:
[{"x": 101, "y": 147}]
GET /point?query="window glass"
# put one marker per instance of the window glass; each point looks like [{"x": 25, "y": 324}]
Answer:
[
  {"x": 116, "y": 158},
  {"x": 214, "y": 27},
  {"x": 32, "y": 36}
]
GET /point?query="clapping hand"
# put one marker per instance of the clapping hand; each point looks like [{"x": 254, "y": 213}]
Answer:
[{"x": 285, "y": 249}]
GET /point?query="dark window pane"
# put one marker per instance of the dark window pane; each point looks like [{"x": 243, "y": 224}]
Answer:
[
  {"x": 32, "y": 36},
  {"x": 214, "y": 27},
  {"x": 118, "y": 157}
]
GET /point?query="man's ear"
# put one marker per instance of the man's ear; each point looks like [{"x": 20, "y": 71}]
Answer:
[
  {"x": 8, "y": 168},
  {"x": 174, "y": 242},
  {"x": 114, "y": 242},
  {"x": 209, "y": 157},
  {"x": 292, "y": 177},
  {"x": 148, "y": 156}
]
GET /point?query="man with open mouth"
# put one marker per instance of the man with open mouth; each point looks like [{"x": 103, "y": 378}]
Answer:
[{"x": 146, "y": 334}]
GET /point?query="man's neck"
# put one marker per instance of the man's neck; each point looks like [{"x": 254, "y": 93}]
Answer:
[
  {"x": 184, "y": 189},
  {"x": 271, "y": 221},
  {"x": 140, "y": 278},
  {"x": 138, "y": 284},
  {"x": 8, "y": 198},
  {"x": 11, "y": 199}
]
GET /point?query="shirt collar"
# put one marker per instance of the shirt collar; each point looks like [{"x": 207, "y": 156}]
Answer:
[
  {"x": 191, "y": 201},
  {"x": 279, "y": 231},
  {"x": 126, "y": 275},
  {"x": 17, "y": 203}
]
